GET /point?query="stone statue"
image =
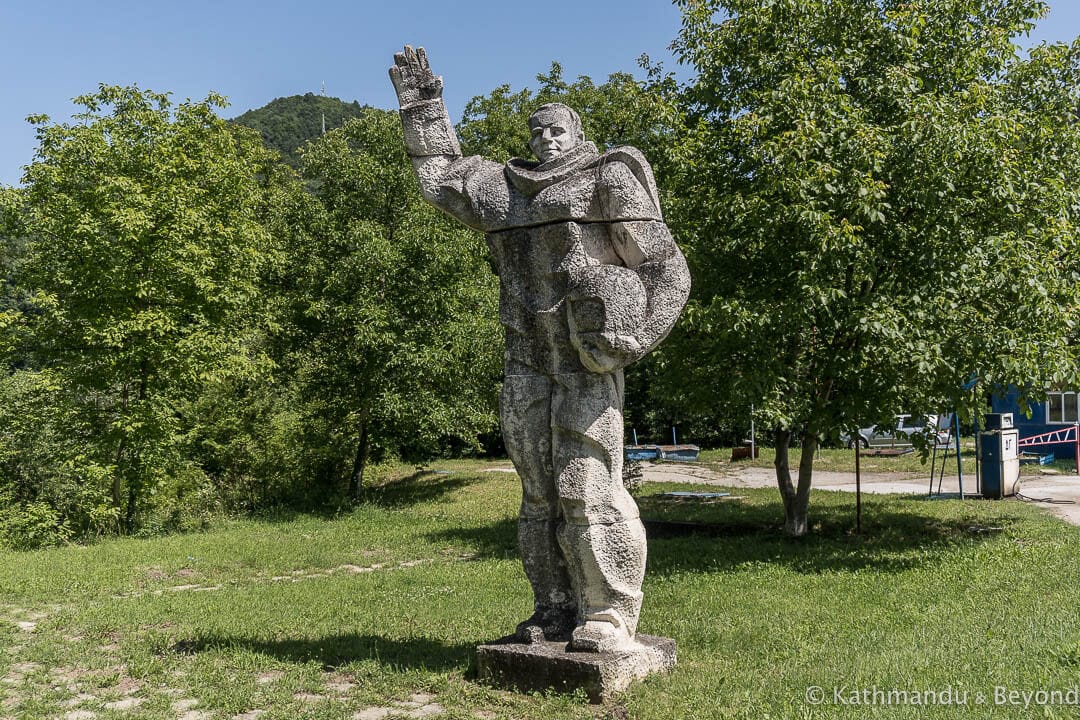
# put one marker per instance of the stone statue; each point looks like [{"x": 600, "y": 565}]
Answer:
[{"x": 591, "y": 280}]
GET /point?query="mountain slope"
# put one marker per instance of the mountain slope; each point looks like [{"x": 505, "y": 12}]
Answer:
[{"x": 288, "y": 123}]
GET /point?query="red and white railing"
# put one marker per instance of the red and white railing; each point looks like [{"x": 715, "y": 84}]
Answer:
[{"x": 1070, "y": 434}]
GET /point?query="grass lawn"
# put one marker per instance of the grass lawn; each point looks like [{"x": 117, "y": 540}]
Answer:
[
  {"x": 381, "y": 607},
  {"x": 843, "y": 460}
]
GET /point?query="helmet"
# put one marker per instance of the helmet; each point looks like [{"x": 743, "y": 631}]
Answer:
[{"x": 607, "y": 299}]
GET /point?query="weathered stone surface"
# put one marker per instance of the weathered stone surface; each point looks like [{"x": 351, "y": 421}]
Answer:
[
  {"x": 591, "y": 280},
  {"x": 548, "y": 665}
]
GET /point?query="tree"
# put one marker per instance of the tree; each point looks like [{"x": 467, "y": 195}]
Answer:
[
  {"x": 877, "y": 201},
  {"x": 617, "y": 112},
  {"x": 143, "y": 246},
  {"x": 395, "y": 341}
]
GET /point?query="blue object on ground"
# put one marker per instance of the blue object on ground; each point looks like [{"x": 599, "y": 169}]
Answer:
[
  {"x": 685, "y": 453},
  {"x": 642, "y": 452},
  {"x": 1031, "y": 458}
]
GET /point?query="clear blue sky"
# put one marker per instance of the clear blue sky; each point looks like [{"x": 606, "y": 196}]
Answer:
[{"x": 253, "y": 51}]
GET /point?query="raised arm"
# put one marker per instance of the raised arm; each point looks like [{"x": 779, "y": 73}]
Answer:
[{"x": 431, "y": 141}]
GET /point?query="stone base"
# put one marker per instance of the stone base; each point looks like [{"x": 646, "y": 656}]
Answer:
[{"x": 510, "y": 664}]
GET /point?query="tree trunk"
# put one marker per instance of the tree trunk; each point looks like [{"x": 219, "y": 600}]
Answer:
[
  {"x": 118, "y": 474},
  {"x": 796, "y": 497},
  {"x": 356, "y": 477},
  {"x": 132, "y": 503},
  {"x": 134, "y": 478},
  {"x": 116, "y": 487}
]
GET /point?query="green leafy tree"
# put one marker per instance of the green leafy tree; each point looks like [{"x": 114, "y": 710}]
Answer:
[
  {"x": 143, "y": 247},
  {"x": 395, "y": 345},
  {"x": 878, "y": 200},
  {"x": 616, "y": 112}
]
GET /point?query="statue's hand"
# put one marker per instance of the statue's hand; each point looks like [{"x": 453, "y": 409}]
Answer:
[
  {"x": 602, "y": 352},
  {"x": 412, "y": 77}
]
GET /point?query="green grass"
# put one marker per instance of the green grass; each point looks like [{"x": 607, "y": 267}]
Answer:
[
  {"x": 843, "y": 460},
  {"x": 324, "y": 617}
]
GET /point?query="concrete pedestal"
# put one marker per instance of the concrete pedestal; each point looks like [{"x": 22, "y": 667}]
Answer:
[{"x": 510, "y": 664}]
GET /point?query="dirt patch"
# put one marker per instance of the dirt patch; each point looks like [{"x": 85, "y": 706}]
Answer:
[
  {"x": 126, "y": 704},
  {"x": 308, "y": 698},
  {"x": 339, "y": 683},
  {"x": 373, "y": 713},
  {"x": 249, "y": 715},
  {"x": 80, "y": 715},
  {"x": 270, "y": 676}
]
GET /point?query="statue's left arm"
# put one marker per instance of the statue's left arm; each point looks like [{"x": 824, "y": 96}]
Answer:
[
  {"x": 647, "y": 248},
  {"x": 645, "y": 245}
]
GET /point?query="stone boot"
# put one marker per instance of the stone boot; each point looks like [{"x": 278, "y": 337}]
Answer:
[
  {"x": 607, "y": 564},
  {"x": 553, "y": 599}
]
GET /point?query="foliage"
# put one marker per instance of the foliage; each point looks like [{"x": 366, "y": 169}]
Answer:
[
  {"x": 48, "y": 471},
  {"x": 396, "y": 343},
  {"x": 140, "y": 266},
  {"x": 190, "y": 330},
  {"x": 876, "y": 205},
  {"x": 616, "y": 112},
  {"x": 288, "y": 123}
]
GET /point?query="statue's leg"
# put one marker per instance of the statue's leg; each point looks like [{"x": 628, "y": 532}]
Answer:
[
  {"x": 602, "y": 537},
  {"x": 525, "y": 412}
]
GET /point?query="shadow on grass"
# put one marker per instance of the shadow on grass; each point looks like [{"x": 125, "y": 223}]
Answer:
[
  {"x": 420, "y": 487},
  {"x": 498, "y": 540},
  {"x": 897, "y": 534},
  {"x": 335, "y": 651},
  {"x": 731, "y": 534}
]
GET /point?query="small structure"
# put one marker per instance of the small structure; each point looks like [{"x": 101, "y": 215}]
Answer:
[
  {"x": 642, "y": 452},
  {"x": 1000, "y": 457},
  {"x": 681, "y": 453},
  {"x": 1060, "y": 412}
]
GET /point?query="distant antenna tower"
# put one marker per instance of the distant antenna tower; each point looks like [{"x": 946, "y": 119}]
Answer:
[{"x": 324, "y": 112}]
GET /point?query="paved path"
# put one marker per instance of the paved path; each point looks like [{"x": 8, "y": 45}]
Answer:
[{"x": 1063, "y": 490}]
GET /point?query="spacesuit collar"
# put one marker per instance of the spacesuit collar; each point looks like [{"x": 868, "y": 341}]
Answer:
[{"x": 531, "y": 177}]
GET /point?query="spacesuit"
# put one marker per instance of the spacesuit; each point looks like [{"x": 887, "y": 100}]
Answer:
[{"x": 590, "y": 280}]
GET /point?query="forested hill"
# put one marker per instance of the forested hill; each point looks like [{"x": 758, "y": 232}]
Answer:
[{"x": 288, "y": 123}]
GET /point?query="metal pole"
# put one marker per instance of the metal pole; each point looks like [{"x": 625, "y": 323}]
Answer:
[
  {"x": 634, "y": 430},
  {"x": 858, "y": 489},
  {"x": 673, "y": 440},
  {"x": 978, "y": 454},
  {"x": 933, "y": 464},
  {"x": 753, "y": 446},
  {"x": 944, "y": 461},
  {"x": 959, "y": 466},
  {"x": 1077, "y": 431}
]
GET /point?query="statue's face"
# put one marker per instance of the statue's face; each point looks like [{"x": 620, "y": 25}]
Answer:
[{"x": 553, "y": 132}]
